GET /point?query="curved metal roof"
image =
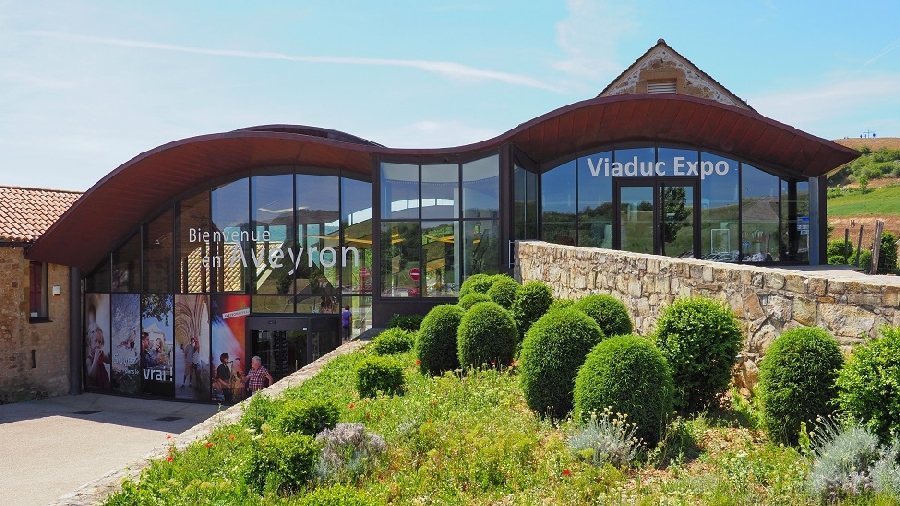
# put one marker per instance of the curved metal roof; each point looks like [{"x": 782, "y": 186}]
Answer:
[{"x": 129, "y": 194}]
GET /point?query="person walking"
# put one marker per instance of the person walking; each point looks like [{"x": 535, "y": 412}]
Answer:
[
  {"x": 258, "y": 377},
  {"x": 346, "y": 320}
]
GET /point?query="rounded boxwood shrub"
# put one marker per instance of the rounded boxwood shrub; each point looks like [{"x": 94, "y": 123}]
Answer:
[
  {"x": 629, "y": 375},
  {"x": 560, "y": 303},
  {"x": 796, "y": 381},
  {"x": 307, "y": 416},
  {"x": 282, "y": 463},
  {"x": 436, "y": 346},
  {"x": 486, "y": 335},
  {"x": 379, "y": 374},
  {"x": 467, "y": 301},
  {"x": 408, "y": 322},
  {"x": 533, "y": 300},
  {"x": 393, "y": 340},
  {"x": 609, "y": 312},
  {"x": 869, "y": 384},
  {"x": 337, "y": 495},
  {"x": 700, "y": 339},
  {"x": 476, "y": 283},
  {"x": 553, "y": 350},
  {"x": 503, "y": 290}
]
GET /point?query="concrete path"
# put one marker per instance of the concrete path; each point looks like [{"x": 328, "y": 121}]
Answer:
[{"x": 53, "y": 446}]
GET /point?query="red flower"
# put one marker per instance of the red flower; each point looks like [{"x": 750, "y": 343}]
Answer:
[
  {"x": 231, "y": 437},
  {"x": 210, "y": 444},
  {"x": 168, "y": 436},
  {"x": 170, "y": 458},
  {"x": 566, "y": 472},
  {"x": 418, "y": 362},
  {"x": 351, "y": 405}
]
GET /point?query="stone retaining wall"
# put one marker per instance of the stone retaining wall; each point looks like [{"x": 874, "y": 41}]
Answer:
[{"x": 765, "y": 300}]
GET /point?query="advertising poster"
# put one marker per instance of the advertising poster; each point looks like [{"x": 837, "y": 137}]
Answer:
[
  {"x": 192, "y": 347},
  {"x": 96, "y": 341},
  {"x": 157, "y": 322},
  {"x": 126, "y": 342},
  {"x": 229, "y": 327}
]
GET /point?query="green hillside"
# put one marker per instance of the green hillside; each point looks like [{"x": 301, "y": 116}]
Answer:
[{"x": 883, "y": 202}]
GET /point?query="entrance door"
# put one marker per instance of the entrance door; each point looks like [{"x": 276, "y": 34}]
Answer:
[
  {"x": 287, "y": 344},
  {"x": 657, "y": 216}
]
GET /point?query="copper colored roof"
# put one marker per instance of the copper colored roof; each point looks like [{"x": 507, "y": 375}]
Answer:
[
  {"x": 131, "y": 193},
  {"x": 26, "y": 213}
]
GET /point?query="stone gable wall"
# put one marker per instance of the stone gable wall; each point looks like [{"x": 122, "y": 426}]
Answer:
[
  {"x": 767, "y": 301},
  {"x": 50, "y": 340}
]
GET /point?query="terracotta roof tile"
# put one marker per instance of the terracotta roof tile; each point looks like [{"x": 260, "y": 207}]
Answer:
[{"x": 26, "y": 213}]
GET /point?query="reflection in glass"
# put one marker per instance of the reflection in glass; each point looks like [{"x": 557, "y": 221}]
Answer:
[
  {"x": 273, "y": 303},
  {"x": 719, "y": 212},
  {"x": 98, "y": 280},
  {"x": 795, "y": 221},
  {"x": 231, "y": 235},
  {"x": 158, "y": 249},
  {"x": 481, "y": 247},
  {"x": 356, "y": 219},
  {"x": 440, "y": 241},
  {"x": 318, "y": 234},
  {"x": 400, "y": 244},
  {"x": 126, "y": 262},
  {"x": 440, "y": 191},
  {"x": 677, "y": 221},
  {"x": 193, "y": 248},
  {"x": 481, "y": 188},
  {"x": 636, "y": 218},
  {"x": 558, "y": 204},
  {"x": 595, "y": 207},
  {"x": 360, "y": 314},
  {"x": 273, "y": 219},
  {"x": 760, "y": 215},
  {"x": 399, "y": 191},
  {"x": 525, "y": 195}
]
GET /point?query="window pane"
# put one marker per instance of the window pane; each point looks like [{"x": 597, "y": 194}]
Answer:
[
  {"x": 719, "y": 211},
  {"x": 193, "y": 246},
  {"x": 400, "y": 244},
  {"x": 525, "y": 197},
  {"x": 231, "y": 223},
  {"x": 273, "y": 219},
  {"x": 595, "y": 211},
  {"x": 633, "y": 160},
  {"x": 481, "y": 247},
  {"x": 481, "y": 188},
  {"x": 158, "y": 254},
  {"x": 440, "y": 243},
  {"x": 759, "y": 219},
  {"x": 795, "y": 221},
  {"x": 318, "y": 234},
  {"x": 157, "y": 344},
  {"x": 360, "y": 314},
  {"x": 558, "y": 204},
  {"x": 440, "y": 191},
  {"x": 273, "y": 303},
  {"x": 98, "y": 280},
  {"x": 399, "y": 191},
  {"x": 97, "y": 342},
  {"x": 356, "y": 253},
  {"x": 126, "y": 262},
  {"x": 674, "y": 161}
]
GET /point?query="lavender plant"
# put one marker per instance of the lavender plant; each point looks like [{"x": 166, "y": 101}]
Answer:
[
  {"x": 606, "y": 437},
  {"x": 349, "y": 451}
]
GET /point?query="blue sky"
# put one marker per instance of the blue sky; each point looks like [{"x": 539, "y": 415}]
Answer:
[{"x": 85, "y": 86}]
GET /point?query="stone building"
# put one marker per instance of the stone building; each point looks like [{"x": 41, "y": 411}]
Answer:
[{"x": 34, "y": 298}]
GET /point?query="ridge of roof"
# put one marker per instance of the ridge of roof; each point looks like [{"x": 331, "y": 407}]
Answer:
[{"x": 36, "y": 188}]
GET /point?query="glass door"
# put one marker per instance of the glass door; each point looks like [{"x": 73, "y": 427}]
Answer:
[
  {"x": 676, "y": 229},
  {"x": 283, "y": 344},
  {"x": 657, "y": 216},
  {"x": 636, "y": 219}
]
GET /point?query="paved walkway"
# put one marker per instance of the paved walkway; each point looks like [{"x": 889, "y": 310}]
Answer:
[{"x": 56, "y": 445}]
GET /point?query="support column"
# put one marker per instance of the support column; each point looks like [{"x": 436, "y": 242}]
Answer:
[
  {"x": 76, "y": 349},
  {"x": 818, "y": 220}
]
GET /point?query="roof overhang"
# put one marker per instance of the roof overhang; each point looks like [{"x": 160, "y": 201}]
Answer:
[{"x": 108, "y": 211}]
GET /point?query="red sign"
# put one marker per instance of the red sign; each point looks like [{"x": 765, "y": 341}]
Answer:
[{"x": 414, "y": 274}]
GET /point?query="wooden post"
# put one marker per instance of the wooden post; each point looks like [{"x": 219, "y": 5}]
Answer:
[
  {"x": 846, "y": 245},
  {"x": 876, "y": 246},
  {"x": 858, "y": 245}
]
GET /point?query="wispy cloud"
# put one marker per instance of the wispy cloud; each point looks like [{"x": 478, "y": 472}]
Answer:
[
  {"x": 448, "y": 69},
  {"x": 887, "y": 49},
  {"x": 590, "y": 37}
]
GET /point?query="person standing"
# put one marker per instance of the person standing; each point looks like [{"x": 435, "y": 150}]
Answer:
[
  {"x": 258, "y": 377},
  {"x": 346, "y": 320}
]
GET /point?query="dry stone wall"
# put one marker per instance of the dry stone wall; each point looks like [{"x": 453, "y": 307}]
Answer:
[{"x": 767, "y": 301}]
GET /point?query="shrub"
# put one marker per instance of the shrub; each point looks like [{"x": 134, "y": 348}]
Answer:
[
  {"x": 260, "y": 410},
  {"x": 868, "y": 386},
  {"x": 533, "y": 300},
  {"x": 887, "y": 254},
  {"x": 337, "y": 495},
  {"x": 503, "y": 290},
  {"x": 609, "y": 312},
  {"x": 553, "y": 350},
  {"x": 282, "y": 462},
  {"x": 865, "y": 260},
  {"x": 560, "y": 303},
  {"x": 467, "y": 301},
  {"x": 838, "y": 248},
  {"x": 699, "y": 337},
  {"x": 836, "y": 260},
  {"x": 436, "y": 346},
  {"x": 605, "y": 438},
  {"x": 408, "y": 322},
  {"x": 379, "y": 374},
  {"x": 307, "y": 416},
  {"x": 486, "y": 335},
  {"x": 796, "y": 381},
  {"x": 348, "y": 452},
  {"x": 476, "y": 283},
  {"x": 393, "y": 340},
  {"x": 629, "y": 375}
]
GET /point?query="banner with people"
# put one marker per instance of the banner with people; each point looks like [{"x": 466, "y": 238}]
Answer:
[
  {"x": 126, "y": 342},
  {"x": 96, "y": 341},
  {"x": 157, "y": 322},
  {"x": 192, "y": 347},
  {"x": 229, "y": 364}
]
